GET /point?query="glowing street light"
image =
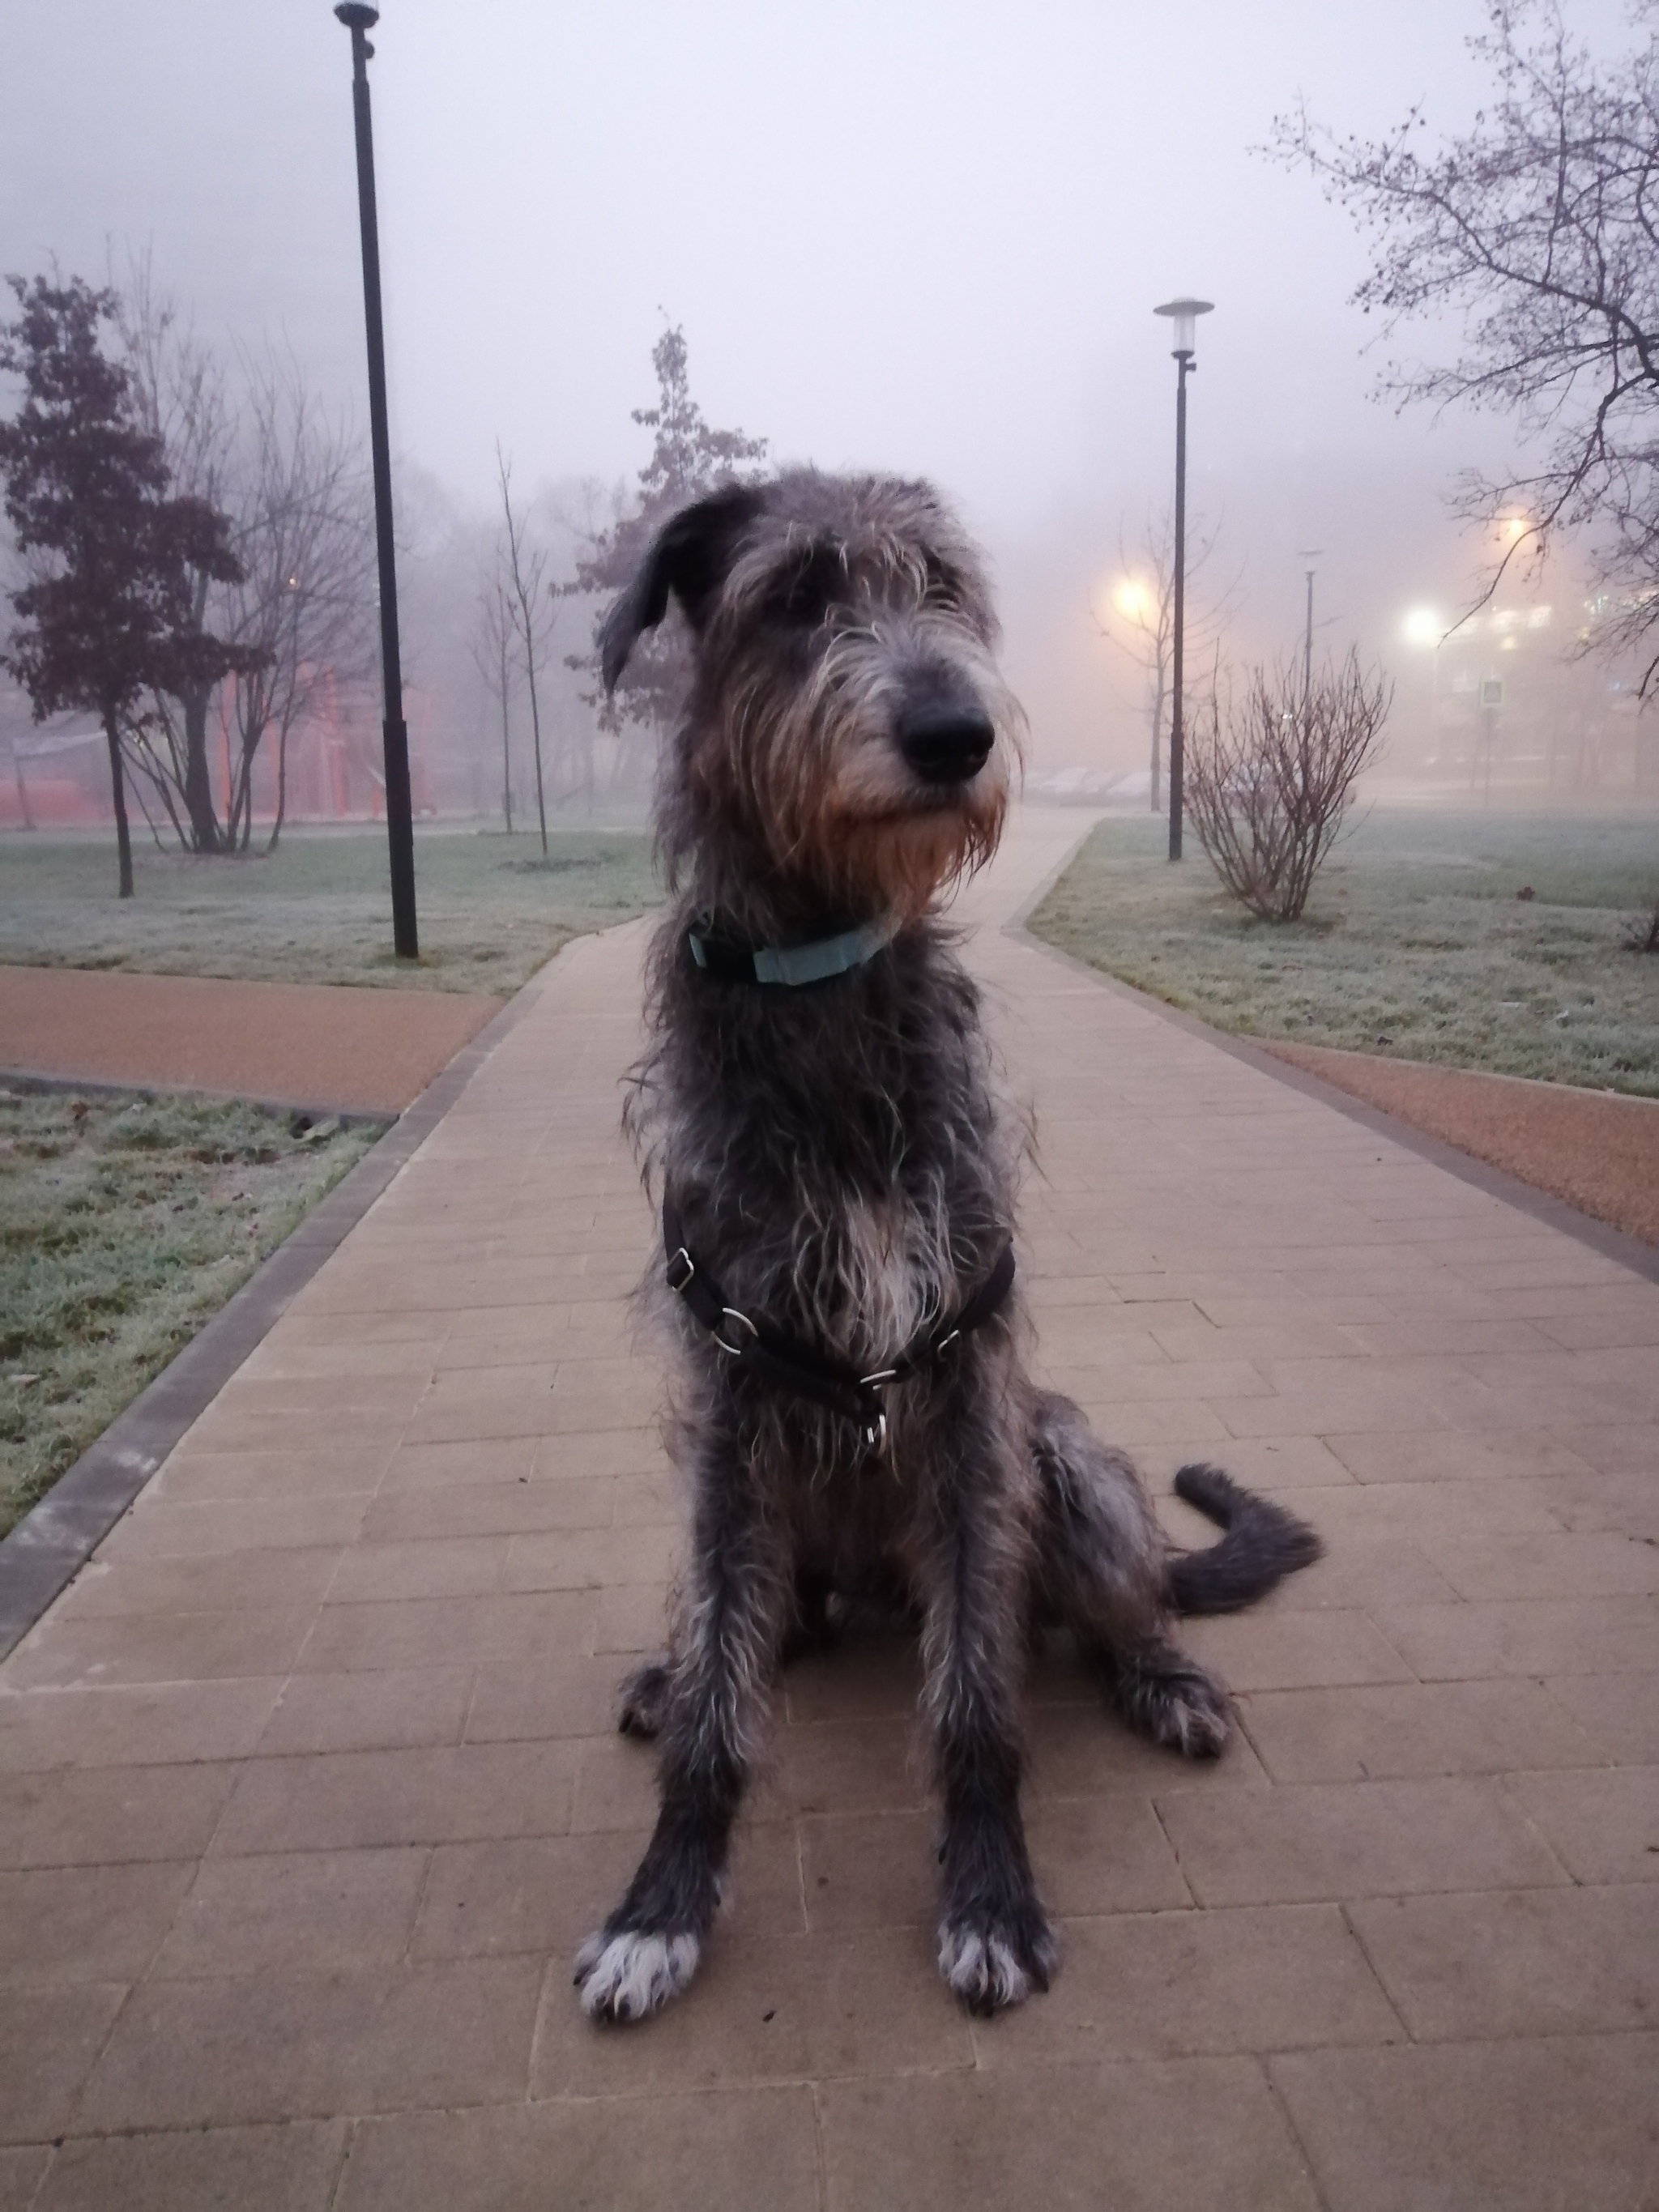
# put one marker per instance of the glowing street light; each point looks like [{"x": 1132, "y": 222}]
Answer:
[{"x": 1183, "y": 313}]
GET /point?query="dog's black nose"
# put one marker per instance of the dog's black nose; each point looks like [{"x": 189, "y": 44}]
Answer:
[{"x": 946, "y": 745}]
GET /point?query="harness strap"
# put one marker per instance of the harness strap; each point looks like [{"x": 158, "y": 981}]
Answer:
[{"x": 788, "y": 1364}]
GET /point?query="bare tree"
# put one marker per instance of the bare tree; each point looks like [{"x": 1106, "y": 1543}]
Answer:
[
  {"x": 1537, "y": 228},
  {"x": 530, "y": 613},
  {"x": 295, "y": 485},
  {"x": 490, "y": 646},
  {"x": 1141, "y": 621},
  {"x": 1270, "y": 780}
]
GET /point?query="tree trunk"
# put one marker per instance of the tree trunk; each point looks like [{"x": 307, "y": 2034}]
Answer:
[
  {"x": 282, "y": 785},
  {"x": 507, "y": 748},
  {"x": 22, "y": 788},
  {"x": 198, "y": 785},
  {"x": 117, "y": 787},
  {"x": 536, "y": 732}
]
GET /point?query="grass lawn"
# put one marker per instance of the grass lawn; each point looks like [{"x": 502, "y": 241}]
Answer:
[
  {"x": 491, "y": 910},
  {"x": 124, "y": 1224},
  {"x": 1414, "y": 944}
]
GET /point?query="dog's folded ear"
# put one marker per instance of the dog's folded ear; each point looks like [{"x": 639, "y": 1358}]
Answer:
[{"x": 690, "y": 557}]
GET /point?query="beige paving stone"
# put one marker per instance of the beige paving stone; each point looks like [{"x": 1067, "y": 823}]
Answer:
[
  {"x": 102, "y": 1923},
  {"x": 1149, "y": 2137},
  {"x": 417, "y": 1468},
  {"x": 698, "y": 2153},
  {"x": 1530, "y": 1962},
  {"x": 459, "y": 1512},
  {"x": 1619, "y": 1712},
  {"x": 20, "y": 2175},
  {"x": 512, "y": 1702},
  {"x": 1272, "y": 1650},
  {"x": 1538, "y": 1567},
  {"x": 1377, "y": 1732},
  {"x": 1177, "y": 1985},
  {"x": 390, "y": 1711},
  {"x": 66, "y": 1653},
  {"x": 152, "y": 1724},
  {"x": 592, "y": 1559},
  {"x": 1269, "y": 1463},
  {"x": 49, "y": 2041},
  {"x": 1539, "y": 2125},
  {"x": 1536, "y": 1636},
  {"x": 1404, "y": 1455},
  {"x": 293, "y": 1913},
  {"x": 1602, "y": 1825},
  {"x": 109, "y": 1815},
  {"x": 157, "y": 1530},
  {"x": 1084, "y": 1751},
  {"x": 189, "y": 2054},
  {"x": 533, "y": 1629},
  {"x": 350, "y": 1801},
  {"x": 195, "y": 1475},
  {"x": 768, "y": 2010},
  {"x": 285, "y": 1579},
  {"x": 447, "y": 1567},
  {"x": 273, "y": 2169},
  {"x": 1336, "y": 1840}
]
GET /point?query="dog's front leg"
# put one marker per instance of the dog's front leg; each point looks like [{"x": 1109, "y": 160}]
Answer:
[
  {"x": 736, "y": 1599},
  {"x": 995, "y": 1944}
]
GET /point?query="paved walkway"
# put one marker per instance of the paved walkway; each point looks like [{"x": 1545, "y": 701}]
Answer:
[
  {"x": 309, "y": 1787},
  {"x": 291, "y": 1044}
]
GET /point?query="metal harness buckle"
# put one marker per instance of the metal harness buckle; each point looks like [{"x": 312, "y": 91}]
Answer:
[{"x": 679, "y": 1286}]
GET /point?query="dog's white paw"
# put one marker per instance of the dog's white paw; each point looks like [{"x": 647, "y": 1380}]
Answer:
[
  {"x": 625, "y": 1977},
  {"x": 984, "y": 1970}
]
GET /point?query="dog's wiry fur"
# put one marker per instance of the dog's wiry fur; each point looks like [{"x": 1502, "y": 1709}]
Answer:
[{"x": 844, "y": 1163}]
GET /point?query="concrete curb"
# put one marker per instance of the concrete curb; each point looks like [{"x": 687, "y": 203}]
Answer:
[
  {"x": 53, "y": 1541},
  {"x": 1600, "y": 1236}
]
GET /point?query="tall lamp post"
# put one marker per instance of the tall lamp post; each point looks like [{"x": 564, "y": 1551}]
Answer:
[
  {"x": 1184, "y": 315},
  {"x": 360, "y": 19},
  {"x": 1310, "y": 554}
]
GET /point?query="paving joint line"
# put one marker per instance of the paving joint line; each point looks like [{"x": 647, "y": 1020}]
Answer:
[{"x": 48, "y": 1547}]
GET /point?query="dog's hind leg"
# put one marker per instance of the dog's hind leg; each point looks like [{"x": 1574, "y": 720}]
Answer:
[
  {"x": 1104, "y": 1571},
  {"x": 734, "y": 1605},
  {"x": 995, "y": 1944}
]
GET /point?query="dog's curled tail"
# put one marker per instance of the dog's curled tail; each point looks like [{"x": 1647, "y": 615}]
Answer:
[{"x": 1262, "y": 1545}]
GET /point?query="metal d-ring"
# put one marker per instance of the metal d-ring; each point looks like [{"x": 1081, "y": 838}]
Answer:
[{"x": 735, "y": 1351}]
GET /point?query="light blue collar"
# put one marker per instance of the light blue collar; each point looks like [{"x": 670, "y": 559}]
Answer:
[{"x": 794, "y": 964}]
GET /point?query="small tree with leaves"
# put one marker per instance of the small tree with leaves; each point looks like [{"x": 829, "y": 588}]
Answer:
[
  {"x": 1539, "y": 231},
  {"x": 106, "y": 615},
  {"x": 689, "y": 458},
  {"x": 1270, "y": 778}
]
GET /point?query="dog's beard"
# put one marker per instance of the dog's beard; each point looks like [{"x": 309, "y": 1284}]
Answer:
[{"x": 901, "y": 864}]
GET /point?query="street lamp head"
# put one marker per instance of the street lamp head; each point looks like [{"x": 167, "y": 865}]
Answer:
[
  {"x": 1184, "y": 314},
  {"x": 358, "y": 15}
]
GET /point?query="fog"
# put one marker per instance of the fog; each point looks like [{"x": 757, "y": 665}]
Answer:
[{"x": 916, "y": 236}]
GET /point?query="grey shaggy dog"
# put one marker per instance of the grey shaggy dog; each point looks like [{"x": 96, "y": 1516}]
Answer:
[{"x": 837, "y": 1159}]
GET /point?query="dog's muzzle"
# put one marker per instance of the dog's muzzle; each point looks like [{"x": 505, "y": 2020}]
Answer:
[{"x": 946, "y": 745}]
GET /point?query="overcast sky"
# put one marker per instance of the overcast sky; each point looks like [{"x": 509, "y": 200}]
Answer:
[{"x": 924, "y": 236}]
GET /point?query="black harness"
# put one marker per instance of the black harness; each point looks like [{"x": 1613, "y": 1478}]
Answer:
[{"x": 786, "y": 1363}]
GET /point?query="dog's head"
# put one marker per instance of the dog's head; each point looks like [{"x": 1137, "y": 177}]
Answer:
[{"x": 848, "y": 731}]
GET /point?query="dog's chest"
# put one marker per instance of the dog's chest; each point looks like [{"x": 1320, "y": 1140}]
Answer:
[{"x": 881, "y": 1273}]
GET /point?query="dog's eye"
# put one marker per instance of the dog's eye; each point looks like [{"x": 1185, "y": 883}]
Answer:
[
  {"x": 944, "y": 586},
  {"x": 810, "y": 586}
]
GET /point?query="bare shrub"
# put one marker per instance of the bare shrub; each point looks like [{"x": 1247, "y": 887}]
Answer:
[{"x": 1270, "y": 778}]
